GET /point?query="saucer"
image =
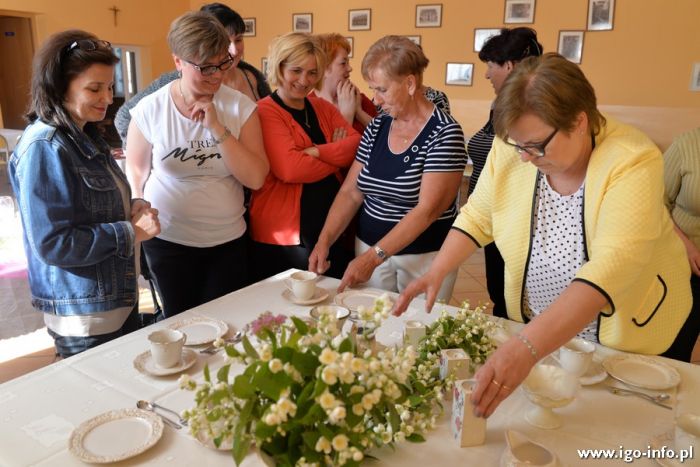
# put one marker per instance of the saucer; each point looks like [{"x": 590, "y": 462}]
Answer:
[
  {"x": 642, "y": 371},
  {"x": 320, "y": 295},
  {"x": 146, "y": 365},
  {"x": 200, "y": 329},
  {"x": 594, "y": 375}
]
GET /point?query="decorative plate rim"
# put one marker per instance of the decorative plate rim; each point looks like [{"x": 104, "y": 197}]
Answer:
[
  {"x": 189, "y": 358},
  {"x": 674, "y": 377},
  {"x": 338, "y": 300},
  {"x": 75, "y": 441},
  {"x": 221, "y": 328}
]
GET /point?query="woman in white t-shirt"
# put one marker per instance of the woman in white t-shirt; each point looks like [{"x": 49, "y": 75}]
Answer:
[{"x": 192, "y": 147}]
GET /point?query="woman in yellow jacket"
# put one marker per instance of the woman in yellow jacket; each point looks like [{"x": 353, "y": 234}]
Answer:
[{"x": 575, "y": 203}]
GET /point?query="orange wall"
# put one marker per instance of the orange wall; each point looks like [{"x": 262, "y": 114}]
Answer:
[
  {"x": 142, "y": 23},
  {"x": 640, "y": 70}
]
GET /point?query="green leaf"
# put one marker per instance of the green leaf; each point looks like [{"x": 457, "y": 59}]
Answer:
[
  {"x": 249, "y": 349},
  {"x": 310, "y": 438},
  {"x": 207, "y": 377},
  {"x": 284, "y": 353},
  {"x": 301, "y": 326},
  {"x": 314, "y": 414},
  {"x": 415, "y": 438},
  {"x": 242, "y": 387},
  {"x": 241, "y": 446},
  {"x": 222, "y": 374},
  {"x": 394, "y": 418},
  {"x": 263, "y": 431},
  {"x": 415, "y": 400},
  {"x": 345, "y": 346},
  {"x": 271, "y": 337},
  {"x": 320, "y": 387},
  {"x": 305, "y": 363},
  {"x": 305, "y": 393},
  {"x": 269, "y": 383}
]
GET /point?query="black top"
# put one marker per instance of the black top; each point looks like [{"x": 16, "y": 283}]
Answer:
[
  {"x": 316, "y": 197},
  {"x": 478, "y": 149}
]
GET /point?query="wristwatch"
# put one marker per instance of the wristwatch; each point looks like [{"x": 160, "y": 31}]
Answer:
[
  {"x": 380, "y": 253},
  {"x": 226, "y": 134}
]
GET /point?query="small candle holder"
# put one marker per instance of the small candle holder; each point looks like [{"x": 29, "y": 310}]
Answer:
[
  {"x": 454, "y": 362},
  {"x": 413, "y": 332},
  {"x": 467, "y": 429}
]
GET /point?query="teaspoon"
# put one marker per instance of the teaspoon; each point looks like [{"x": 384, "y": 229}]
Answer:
[{"x": 152, "y": 406}]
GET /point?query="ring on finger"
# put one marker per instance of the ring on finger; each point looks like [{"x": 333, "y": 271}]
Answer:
[{"x": 498, "y": 385}]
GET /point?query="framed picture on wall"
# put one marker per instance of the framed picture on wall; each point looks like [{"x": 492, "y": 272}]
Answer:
[
  {"x": 414, "y": 39},
  {"x": 249, "y": 27},
  {"x": 459, "y": 74},
  {"x": 695, "y": 79},
  {"x": 600, "y": 15},
  {"x": 428, "y": 16},
  {"x": 482, "y": 35},
  {"x": 263, "y": 66},
  {"x": 520, "y": 11},
  {"x": 302, "y": 22},
  {"x": 360, "y": 20},
  {"x": 351, "y": 41},
  {"x": 571, "y": 45}
]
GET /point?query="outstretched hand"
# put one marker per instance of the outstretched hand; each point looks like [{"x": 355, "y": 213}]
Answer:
[
  {"x": 359, "y": 270},
  {"x": 428, "y": 283}
]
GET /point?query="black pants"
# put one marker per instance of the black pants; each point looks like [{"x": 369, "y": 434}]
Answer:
[
  {"x": 269, "y": 260},
  {"x": 682, "y": 347},
  {"x": 67, "y": 346},
  {"x": 495, "y": 279},
  {"x": 187, "y": 276}
]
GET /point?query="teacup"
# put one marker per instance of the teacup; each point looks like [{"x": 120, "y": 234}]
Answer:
[
  {"x": 166, "y": 347},
  {"x": 576, "y": 355},
  {"x": 413, "y": 331},
  {"x": 341, "y": 313},
  {"x": 687, "y": 432},
  {"x": 302, "y": 284}
]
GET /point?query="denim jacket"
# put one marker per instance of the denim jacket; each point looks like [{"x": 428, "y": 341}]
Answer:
[{"x": 79, "y": 246}]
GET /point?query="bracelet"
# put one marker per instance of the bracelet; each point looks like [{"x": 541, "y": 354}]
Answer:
[
  {"x": 226, "y": 134},
  {"x": 528, "y": 344},
  {"x": 381, "y": 254}
]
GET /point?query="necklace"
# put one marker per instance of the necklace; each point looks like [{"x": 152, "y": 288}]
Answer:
[
  {"x": 182, "y": 95},
  {"x": 306, "y": 117}
]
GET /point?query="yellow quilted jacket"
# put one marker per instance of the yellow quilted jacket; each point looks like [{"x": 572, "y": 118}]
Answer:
[{"x": 634, "y": 257}]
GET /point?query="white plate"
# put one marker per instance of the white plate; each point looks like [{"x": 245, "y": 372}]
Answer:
[
  {"x": 201, "y": 330},
  {"x": 320, "y": 295},
  {"x": 642, "y": 372},
  {"x": 595, "y": 374},
  {"x": 146, "y": 365},
  {"x": 115, "y": 435},
  {"x": 353, "y": 299}
]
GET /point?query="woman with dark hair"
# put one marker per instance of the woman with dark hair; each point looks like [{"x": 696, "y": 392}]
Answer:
[
  {"x": 501, "y": 54},
  {"x": 610, "y": 269},
  {"x": 82, "y": 229},
  {"x": 193, "y": 146},
  {"x": 242, "y": 76}
]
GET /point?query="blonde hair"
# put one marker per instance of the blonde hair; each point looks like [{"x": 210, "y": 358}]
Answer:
[
  {"x": 397, "y": 56},
  {"x": 550, "y": 87},
  {"x": 291, "y": 49},
  {"x": 198, "y": 36}
]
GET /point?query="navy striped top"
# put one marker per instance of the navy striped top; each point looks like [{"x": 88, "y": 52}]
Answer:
[{"x": 391, "y": 182}]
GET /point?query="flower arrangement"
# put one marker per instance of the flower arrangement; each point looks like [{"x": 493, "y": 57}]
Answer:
[
  {"x": 469, "y": 329},
  {"x": 308, "y": 396},
  {"x": 311, "y": 396}
]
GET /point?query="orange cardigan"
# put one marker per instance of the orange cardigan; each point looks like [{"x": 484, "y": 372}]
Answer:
[{"x": 275, "y": 209}]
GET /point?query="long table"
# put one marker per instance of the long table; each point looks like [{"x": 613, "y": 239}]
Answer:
[{"x": 39, "y": 410}]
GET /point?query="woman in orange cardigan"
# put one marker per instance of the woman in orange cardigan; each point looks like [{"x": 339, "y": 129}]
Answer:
[{"x": 310, "y": 146}]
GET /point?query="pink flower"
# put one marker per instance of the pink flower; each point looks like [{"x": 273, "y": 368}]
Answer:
[{"x": 266, "y": 321}]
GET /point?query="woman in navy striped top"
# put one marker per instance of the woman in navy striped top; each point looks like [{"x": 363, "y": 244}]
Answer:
[{"x": 404, "y": 179}]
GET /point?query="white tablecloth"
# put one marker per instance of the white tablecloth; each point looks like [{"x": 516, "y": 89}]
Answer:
[{"x": 39, "y": 410}]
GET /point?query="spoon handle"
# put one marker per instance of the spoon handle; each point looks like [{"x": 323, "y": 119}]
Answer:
[
  {"x": 172, "y": 412},
  {"x": 170, "y": 423}
]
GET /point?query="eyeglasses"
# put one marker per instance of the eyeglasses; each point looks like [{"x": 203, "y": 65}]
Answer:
[
  {"x": 208, "y": 70},
  {"x": 536, "y": 150},
  {"x": 89, "y": 45}
]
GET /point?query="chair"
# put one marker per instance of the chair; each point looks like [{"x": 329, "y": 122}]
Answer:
[{"x": 4, "y": 150}]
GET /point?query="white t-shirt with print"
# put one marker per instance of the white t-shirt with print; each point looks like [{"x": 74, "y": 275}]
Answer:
[{"x": 199, "y": 202}]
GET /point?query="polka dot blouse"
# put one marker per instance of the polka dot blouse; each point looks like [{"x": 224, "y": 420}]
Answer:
[{"x": 557, "y": 249}]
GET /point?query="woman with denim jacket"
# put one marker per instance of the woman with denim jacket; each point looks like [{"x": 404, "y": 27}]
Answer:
[{"x": 82, "y": 230}]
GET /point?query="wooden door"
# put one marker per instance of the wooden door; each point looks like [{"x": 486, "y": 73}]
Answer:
[{"x": 16, "y": 51}]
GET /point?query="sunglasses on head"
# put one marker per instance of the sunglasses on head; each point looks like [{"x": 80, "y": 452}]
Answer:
[{"x": 89, "y": 45}]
